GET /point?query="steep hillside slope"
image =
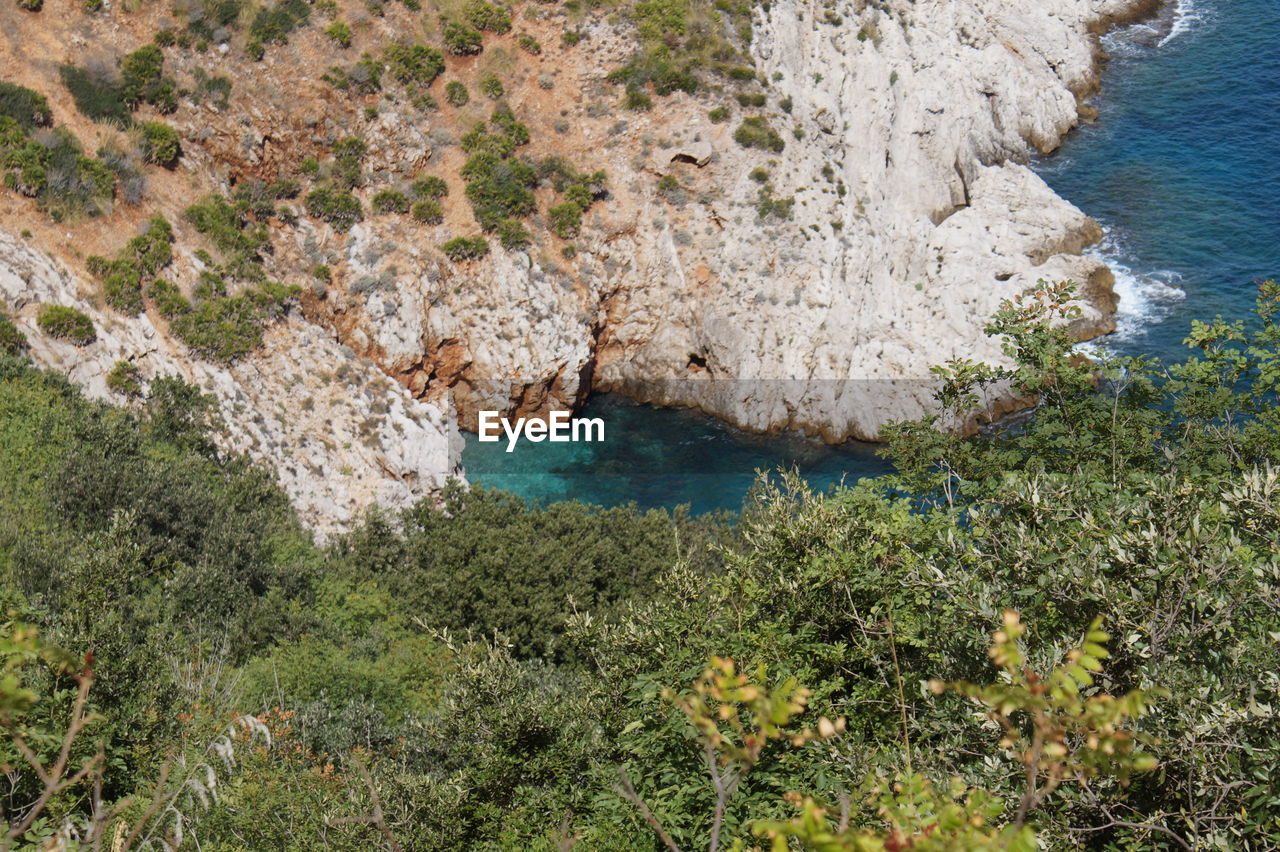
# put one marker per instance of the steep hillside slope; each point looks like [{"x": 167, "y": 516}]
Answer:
[{"x": 783, "y": 214}]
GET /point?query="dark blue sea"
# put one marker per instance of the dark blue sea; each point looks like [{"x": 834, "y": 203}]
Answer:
[{"x": 1182, "y": 168}]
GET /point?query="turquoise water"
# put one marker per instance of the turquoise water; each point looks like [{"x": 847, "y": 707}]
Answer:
[{"x": 1182, "y": 169}]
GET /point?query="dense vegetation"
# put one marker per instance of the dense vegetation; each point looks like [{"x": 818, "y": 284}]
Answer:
[{"x": 484, "y": 674}]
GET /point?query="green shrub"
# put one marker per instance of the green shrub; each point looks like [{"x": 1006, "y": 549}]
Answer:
[
  {"x": 272, "y": 24},
  {"x": 348, "y": 162},
  {"x": 414, "y": 64},
  {"x": 768, "y": 206},
  {"x": 168, "y": 299},
  {"x": 465, "y": 248},
  {"x": 786, "y": 105},
  {"x": 142, "y": 257},
  {"x": 231, "y": 232},
  {"x": 719, "y": 115},
  {"x": 660, "y": 70},
  {"x": 222, "y": 330},
  {"x": 339, "y": 208},
  {"x": 66, "y": 323},
  {"x": 390, "y": 201},
  {"x": 759, "y": 174},
  {"x": 95, "y": 97},
  {"x": 499, "y": 188},
  {"x": 142, "y": 80},
  {"x": 461, "y": 40},
  {"x": 215, "y": 88},
  {"x": 424, "y": 101},
  {"x": 636, "y": 99},
  {"x": 571, "y": 37},
  {"x": 512, "y": 234},
  {"x": 29, "y": 109},
  {"x": 428, "y": 212},
  {"x": 566, "y": 219},
  {"x": 65, "y": 182},
  {"x": 491, "y": 87},
  {"x": 487, "y": 16},
  {"x": 529, "y": 44},
  {"x": 339, "y": 33},
  {"x": 430, "y": 186},
  {"x": 751, "y": 99},
  {"x": 161, "y": 144},
  {"x": 12, "y": 340},
  {"x": 456, "y": 93},
  {"x": 125, "y": 379},
  {"x": 755, "y": 132}
]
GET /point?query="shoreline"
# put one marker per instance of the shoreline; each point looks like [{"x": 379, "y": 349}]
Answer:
[{"x": 1097, "y": 286}]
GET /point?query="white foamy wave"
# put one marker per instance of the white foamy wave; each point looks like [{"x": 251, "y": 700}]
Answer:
[
  {"x": 1188, "y": 16},
  {"x": 1145, "y": 298}
]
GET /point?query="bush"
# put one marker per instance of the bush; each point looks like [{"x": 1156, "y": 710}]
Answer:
[
  {"x": 512, "y": 234},
  {"x": 12, "y": 340},
  {"x": 161, "y": 144},
  {"x": 565, "y": 219},
  {"x": 491, "y": 86},
  {"x": 142, "y": 257},
  {"x": 64, "y": 181},
  {"x": 465, "y": 248},
  {"x": 98, "y": 97},
  {"x": 390, "y": 201},
  {"x": 487, "y": 16},
  {"x": 273, "y": 24},
  {"x": 31, "y": 5},
  {"x": 66, "y": 323},
  {"x": 168, "y": 299},
  {"x": 529, "y": 44},
  {"x": 29, "y": 109},
  {"x": 719, "y": 115},
  {"x": 339, "y": 208},
  {"x": 456, "y": 93},
  {"x": 348, "y": 162},
  {"x": 214, "y": 88},
  {"x": 461, "y": 40},
  {"x": 499, "y": 188},
  {"x": 636, "y": 99},
  {"x": 142, "y": 80},
  {"x": 755, "y": 132},
  {"x": 751, "y": 99},
  {"x": 125, "y": 379},
  {"x": 222, "y": 329},
  {"x": 428, "y": 212},
  {"x": 417, "y": 64},
  {"x": 339, "y": 33},
  {"x": 430, "y": 186}
]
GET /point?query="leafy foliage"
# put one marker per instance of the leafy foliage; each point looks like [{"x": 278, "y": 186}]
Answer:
[
  {"x": 755, "y": 132},
  {"x": 67, "y": 324},
  {"x": 29, "y": 109}
]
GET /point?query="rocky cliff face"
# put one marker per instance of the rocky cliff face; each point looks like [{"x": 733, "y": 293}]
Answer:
[
  {"x": 809, "y": 284},
  {"x": 339, "y": 433},
  {"x": 913, "y": 216}
]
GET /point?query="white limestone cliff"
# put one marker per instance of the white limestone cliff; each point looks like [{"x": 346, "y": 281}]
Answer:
[
  {"x": 909, "y": 128},
  {"x": 340, "y": 435}
]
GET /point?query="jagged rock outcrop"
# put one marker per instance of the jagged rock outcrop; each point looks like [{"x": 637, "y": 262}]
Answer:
[
  {"x": 907, "y": 129},
  {"x": 339, "y": 433}
]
